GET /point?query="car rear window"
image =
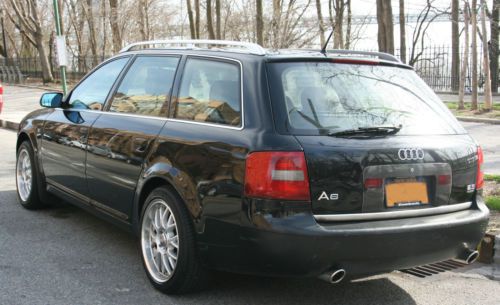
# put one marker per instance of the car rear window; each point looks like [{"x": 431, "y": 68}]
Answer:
[{"x": 315, "y": 98}]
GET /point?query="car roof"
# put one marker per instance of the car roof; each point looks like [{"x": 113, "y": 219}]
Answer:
[{"x": 242, "y": 51}]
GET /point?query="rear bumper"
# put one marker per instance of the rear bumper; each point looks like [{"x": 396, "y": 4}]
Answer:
[{"x": 298, "y": 245}]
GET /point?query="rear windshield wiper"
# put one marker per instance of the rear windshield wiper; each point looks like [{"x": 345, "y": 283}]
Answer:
[{"x": 368, "y": 132}]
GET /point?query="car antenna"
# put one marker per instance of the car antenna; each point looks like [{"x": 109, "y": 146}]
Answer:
[{"x": 323, "y": 49}]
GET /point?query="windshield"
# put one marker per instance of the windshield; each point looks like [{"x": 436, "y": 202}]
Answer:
[{"x": 312, "y": 98}]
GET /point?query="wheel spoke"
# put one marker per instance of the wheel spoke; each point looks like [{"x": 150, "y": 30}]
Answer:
[
  {"x": 166, "y": 264},
  {"x": 173, "y": 241}
]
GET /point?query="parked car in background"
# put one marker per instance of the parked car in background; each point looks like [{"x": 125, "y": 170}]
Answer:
[{"x": 279, "y": 163}]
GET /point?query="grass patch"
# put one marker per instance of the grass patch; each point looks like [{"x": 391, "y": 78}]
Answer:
[
  {"x": 493, "y": 202},
  {"x": 467, "y": 112},
  {"x": 495, "y": 178}
]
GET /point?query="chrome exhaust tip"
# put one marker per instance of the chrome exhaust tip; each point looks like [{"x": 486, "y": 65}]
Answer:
[
  {"x": 468, "y": 256},
  {"x": 334, "y": 277}
]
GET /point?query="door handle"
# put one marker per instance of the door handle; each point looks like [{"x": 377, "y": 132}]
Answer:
[{"x": 141, "y": 145}]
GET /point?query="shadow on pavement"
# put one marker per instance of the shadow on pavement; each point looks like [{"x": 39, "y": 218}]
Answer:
[{"x": 100, "y": 263}]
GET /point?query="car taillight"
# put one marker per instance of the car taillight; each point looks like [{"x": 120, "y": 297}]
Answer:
[
  {"x": 277, "y": 175},
  {"x": 480, "y": 173},
  {"x": 1, "y": 90}
]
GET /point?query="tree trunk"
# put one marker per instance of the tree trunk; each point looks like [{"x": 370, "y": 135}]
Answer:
[
  {"x": 275, "y": 41},
  {"x": 385, "y": 26},
  {"x": 192, "y": 29},
  {"x": 92, "y": 34},
  {"x": 217, "y": 20},
  {"x": 210, "y": 27},
  {"x": 142, "y": 20},
  {"x": 465, "y": 60},
  {"x": 338, "y": 32},
  {"x": 455, "y": 46},
  {"x": 349, "y": 26},
  {"x": 494, "y": 47},
  {"x": 474, "y": 55},
  {"x": 486, "y": 60},
  {"x": 259, "y": 22},
  {"x": 115, "y": 27},
  {"x": 44, "y": 61},
  {"x": 402, "y": 31},
  {"x": 320, "y": 23},
  {"x": 197, "y": 18}
]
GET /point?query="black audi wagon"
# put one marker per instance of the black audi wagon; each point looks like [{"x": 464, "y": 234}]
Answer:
[{"x": 223, "y": 155}]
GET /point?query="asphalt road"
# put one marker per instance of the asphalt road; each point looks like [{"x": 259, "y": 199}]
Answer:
[{"x": 63, "y": 255}]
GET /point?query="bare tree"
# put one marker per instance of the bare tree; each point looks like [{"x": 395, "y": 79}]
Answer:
[
  {"x": 486, "y": 60},
  {"x": 217, "y": 19},
  {"x": 89, "y": 16},
  {"x": 336, "y": 9},
  {"x": 191, "y": 19},
  {"x": 320, "y": 22},
  {"x": 385, "y": 26},
  {"x": 424, "y": 19},
  {"x": 259, "y": 22},
  {"x": 494, "y": 46},
  {"x": 115, "y": 27},
  {"x": 402, "y": 31},
  {"x": 465, "y": 59},
  {"x": 28, "y": 22},
  {"x": 474, "y": 105},
  {"x": 348, "y": 31},
  {"x": 210, "y": 27},
  {"x": 197, "y": 18},
  {"x": 455, "y": 45}
]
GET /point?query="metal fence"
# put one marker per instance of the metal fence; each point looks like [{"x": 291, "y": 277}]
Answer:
[
  {"x": 433, "y": 65},
  {"x": 77, "y": 68}
]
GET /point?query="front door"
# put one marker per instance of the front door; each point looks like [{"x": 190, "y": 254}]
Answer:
[{"x": 66, "y": 130}]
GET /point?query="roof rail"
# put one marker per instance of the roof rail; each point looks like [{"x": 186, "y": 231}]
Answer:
[
  {"x": 380, "y": 55},
  {"x": 245, "y": 47}
]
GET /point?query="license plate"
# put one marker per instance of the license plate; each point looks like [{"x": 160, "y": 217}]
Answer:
[{"x": 406, "y": 193}]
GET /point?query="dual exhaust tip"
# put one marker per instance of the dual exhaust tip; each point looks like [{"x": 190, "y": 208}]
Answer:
[
  {"x": 468, "y": 256},
  {"x": 336, "y": 276},
  {"x": 333, "y": 277}
]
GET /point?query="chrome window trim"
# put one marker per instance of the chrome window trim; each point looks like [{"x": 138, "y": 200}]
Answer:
[
  {"x": 180, "y": 120},
  {"x": 394, "y": 214}
]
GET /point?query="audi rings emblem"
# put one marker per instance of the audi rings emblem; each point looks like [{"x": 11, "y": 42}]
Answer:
[{"x": 411, "y": 154}]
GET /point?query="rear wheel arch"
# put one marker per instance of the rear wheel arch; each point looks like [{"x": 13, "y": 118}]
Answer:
[{"x": 147, "y": 187}]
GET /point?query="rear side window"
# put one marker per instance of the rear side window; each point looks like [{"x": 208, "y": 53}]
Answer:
[
  {"x": 210, "y": 92},
  {"x": 91, "y": 93},
  {"x": 145, "y": 89}
]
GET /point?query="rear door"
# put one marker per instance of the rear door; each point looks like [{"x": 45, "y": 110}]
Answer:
[
  {"x": 66, "y": 130},
  {"x": 122, "y": 136}
]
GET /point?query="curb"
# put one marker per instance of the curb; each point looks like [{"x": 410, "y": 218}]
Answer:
[
  {"x": 9, "y": 125},
  {"x": 478, "y": 120}
]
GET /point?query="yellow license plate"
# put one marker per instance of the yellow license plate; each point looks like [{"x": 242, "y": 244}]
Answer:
[{"x": 406, "y": 194}]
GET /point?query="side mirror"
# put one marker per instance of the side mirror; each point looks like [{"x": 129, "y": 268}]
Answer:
[{"x": 51, "y": 100}]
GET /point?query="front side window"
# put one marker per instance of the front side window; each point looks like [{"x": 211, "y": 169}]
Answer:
[
  {"x": 210, "y": 92},
  {"x": 145, "y": 89},
  {"x": 318, "y": 98},
  {"x": 91, "y": 93}
]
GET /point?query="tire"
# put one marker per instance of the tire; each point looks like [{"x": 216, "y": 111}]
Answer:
[
  {"x": 27, "y": 178},
  {"x": 170, "y": 258}
]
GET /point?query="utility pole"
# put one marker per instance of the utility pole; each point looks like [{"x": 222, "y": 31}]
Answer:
[{"x": 61, "y": 47}]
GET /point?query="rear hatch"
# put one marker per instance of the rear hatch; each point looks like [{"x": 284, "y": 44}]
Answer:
[{"x": 375, "y": 137}]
